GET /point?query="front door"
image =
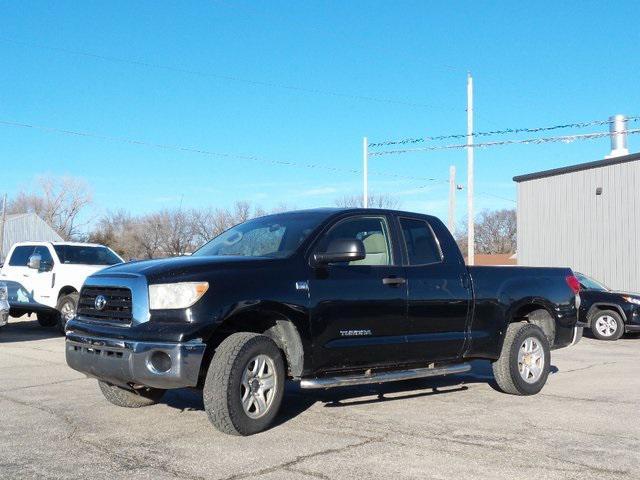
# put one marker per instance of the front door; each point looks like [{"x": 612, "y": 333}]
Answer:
[
  {"x": 358, "y": 309},
  {"x": 439, "y": 294},
  {"x": 41, "y": 280},
  {"x": 17, "y": 276}
]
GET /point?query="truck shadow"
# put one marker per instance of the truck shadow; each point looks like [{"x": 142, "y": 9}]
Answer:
[
  {"x": 297, "y": 401},
  {"x": 26, "y": 329}
]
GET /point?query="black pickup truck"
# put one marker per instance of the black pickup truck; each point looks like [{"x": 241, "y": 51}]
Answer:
[{"x": 325, "y": 297}]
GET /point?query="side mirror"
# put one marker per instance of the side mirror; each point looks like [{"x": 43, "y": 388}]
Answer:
[
  {"x": 45, "y": 266},
  {"x": 341, "y": 250},
  {"x": 34, "y": 261}
]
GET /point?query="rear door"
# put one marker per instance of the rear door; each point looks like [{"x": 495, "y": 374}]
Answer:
[
  {"x": 439, "y": 295},
  {"x": 358, "y": 309}
]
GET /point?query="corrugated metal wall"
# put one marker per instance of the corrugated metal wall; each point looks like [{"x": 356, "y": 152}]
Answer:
[
  {"x": 27, "y": 228},
  {"x": 562, "y": 222}
]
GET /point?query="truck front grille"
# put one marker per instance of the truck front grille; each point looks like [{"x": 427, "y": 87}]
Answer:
[{"x": 108, "y": 304}]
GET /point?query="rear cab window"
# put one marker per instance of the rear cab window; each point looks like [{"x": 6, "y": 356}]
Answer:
[{"x": 420, "y": 242}]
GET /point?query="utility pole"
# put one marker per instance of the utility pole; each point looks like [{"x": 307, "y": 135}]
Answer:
[
  {"x": 365, "y": 160},
  {"x": 2, "y": 222},
  {"x": 452, "y": 200},
  {"x": 471, "y": 225}
]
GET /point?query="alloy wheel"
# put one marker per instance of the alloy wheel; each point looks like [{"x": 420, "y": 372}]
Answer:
[
  {"x": 258, "y": 386},
  {"x": 606, "y": 325},
  {"x": 531, "y": 360}
]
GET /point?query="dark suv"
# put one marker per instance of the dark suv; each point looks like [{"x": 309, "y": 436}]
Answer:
[{"x": 609, "y": 314}]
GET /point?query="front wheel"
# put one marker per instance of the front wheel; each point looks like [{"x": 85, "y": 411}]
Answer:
[
  {"x": 123, "y": 397},
  {"x": 524, "y": 362},
  {"x": 67, "y": 306},
  {"x": 244, "y": 386},
  {"x": 607, "y": 325}
]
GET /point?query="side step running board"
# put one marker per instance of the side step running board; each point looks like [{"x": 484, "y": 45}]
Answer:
[{"x": 381, "y": 377}]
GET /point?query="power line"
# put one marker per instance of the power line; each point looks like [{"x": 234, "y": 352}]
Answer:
[
  {"x": 220, "y": 76},
  {"x": 201, "y": 151},
  {"x": 534, "y": 141},
  {"x": 486, "y": 194},
  {"x": 505, "y": 131}
]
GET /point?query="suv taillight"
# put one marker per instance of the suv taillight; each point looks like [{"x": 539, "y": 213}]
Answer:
[{"x": 574, "y": 283}]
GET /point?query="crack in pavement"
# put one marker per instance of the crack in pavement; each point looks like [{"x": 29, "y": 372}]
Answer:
[
  {"x": 299, "y": 459},
  {"x": 591, "y": 467},
  {"x": 308, "y": 473},
  {"x": 589, "y": 400},
  {"x": 126, "y": 462},
  {"x": 588, "y": 367},
  {"x": 9, "y": 390},
  {"x": 586, "y": 433}
]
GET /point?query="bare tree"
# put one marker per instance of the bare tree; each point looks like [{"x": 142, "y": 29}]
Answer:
[
  {"x": 375, "y": 201},
  {"x": 495, "y": 232},
  {"x": 167, "y": 232},
  {"x": 210, "y": 223},
  {"x": 59, "y": 201}
]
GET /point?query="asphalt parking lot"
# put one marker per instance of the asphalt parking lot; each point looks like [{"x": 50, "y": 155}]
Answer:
[{"x": 585, "y": 424}]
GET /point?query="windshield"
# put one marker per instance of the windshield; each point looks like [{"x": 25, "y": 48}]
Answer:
[
  {"x": 275, "y": 236},
  {"x": 590, "y": 284},
  {"x": 86, "y": 255}
]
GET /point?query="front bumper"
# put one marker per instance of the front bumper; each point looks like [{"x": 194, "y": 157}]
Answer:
[
  {"x": 633, "y": 321},
  {"x": 126, "y": 362}
]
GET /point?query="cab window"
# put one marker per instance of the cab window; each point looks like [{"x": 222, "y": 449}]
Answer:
[
  {"x": 20, "y": 256},
  {"x": 373, "y": 233},
  {"x": 421, "y": 245},
  {"x": 45, "y": 255}
]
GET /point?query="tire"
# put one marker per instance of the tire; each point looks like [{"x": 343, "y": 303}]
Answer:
[
  {"x": 67, "y": 306},
  {"x": 122, "y": 397},
  {"x": 525, "y": 354},
  {"x": 47, "y": 319},
  {"x": 241, "y": 360},
  {"x": 607, "y": 325}
]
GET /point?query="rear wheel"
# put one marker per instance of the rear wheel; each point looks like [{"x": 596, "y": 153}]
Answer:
[
  {"x": 523, "y": 366},
  {"x": 67, "y": 306},
  {"x": 245, "y": 384},
  {"x": 123, "y": 397},
  {"x": 607, "y": 325}
]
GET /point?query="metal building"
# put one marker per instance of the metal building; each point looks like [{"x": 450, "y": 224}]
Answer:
[
  {"x": 586, "y": 217},
  {"x": 24, "y": 227}
]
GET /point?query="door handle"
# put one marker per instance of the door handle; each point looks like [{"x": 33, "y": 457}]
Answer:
[{"x": 393, "y": 281}]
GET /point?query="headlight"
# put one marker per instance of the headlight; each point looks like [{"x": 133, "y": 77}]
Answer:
[
  {"x": 166, "y": 296},
  {"x": 635, "y": 301}
]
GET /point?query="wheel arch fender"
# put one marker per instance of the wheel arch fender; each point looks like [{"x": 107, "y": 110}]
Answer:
[
  {"x": 534, "y": 310},
  {"x": 66, "y": 290},
  {"x": 280, "y": 322},
  {"x": 605, "y": 306}
]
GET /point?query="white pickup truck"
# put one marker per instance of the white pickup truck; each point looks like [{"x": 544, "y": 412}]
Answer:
[{"x": 45, "y": 278}]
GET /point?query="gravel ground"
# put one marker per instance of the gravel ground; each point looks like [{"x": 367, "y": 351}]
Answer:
[{"x": 585, "y": 424}]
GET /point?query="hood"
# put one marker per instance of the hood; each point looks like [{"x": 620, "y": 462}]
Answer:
[
  {"x": 627, "y": 294},
  {"x": 184, "y": 265},
  {"x": 610, "y": 294}
]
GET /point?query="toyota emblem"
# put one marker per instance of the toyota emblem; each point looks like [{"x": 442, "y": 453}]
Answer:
[{"x": 100, "y": 302}]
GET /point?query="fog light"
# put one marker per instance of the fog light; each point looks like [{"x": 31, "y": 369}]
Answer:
[{"x": 160, "y": 362}]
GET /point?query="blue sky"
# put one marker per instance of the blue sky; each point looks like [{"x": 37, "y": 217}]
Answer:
[{"x": 534, "y": 64}]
